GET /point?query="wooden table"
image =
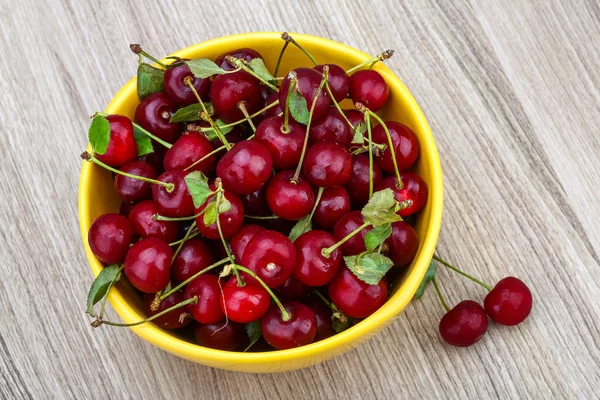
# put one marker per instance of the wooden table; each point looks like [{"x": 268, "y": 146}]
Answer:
[{"x": 512, "y": 92}]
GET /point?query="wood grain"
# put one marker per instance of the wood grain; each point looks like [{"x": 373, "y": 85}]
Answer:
[{"x": 512, "y": 92}]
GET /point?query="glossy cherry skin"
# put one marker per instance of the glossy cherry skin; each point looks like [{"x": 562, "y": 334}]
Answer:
[
  {"x": 331, "y": 127},
  {"x": 354, "y": 297},
  {"x": 327, "y": 164},
  {"x": 354, "y": 116},
  {"x": 193, "y": 257},
  {"x": 189, "y": 148},
  {"x": 224, "y": 335},
  {"x": 227, "y": 91},
  {"x": 173, "y": 319},
  {"x": 271, "y": 256},
  {"x": 255, "y": 203},
  {"x": 299, "y": 330},
  {"x": 231, "y": 221},
  {"x": 147, "y": 265},
  {"x": 510, "y": 302},
  {"x": 414, "y": 190},
  {"x": 243, "y": 53},
  {"x": 121, "y": 144},
  {"x": 358, "y": 184},
  {"x": 464, "y": 325},
  {"x": 245, "y": 168},
  {"x": 403, "y": 244},
  {"x": 406, "y": 146},
  {"x": 369, "y": 88},
  {"x": 208, "y": 290},
  {"x": 132, "y": 190},
  {"x": 308, "y": 85},
  {"x": 339, "y": 81},
  {"x": 312, "y": 267},
  {"x": 334, "y": 204},
  {"x": 246, "y": 303},
  {"x": 240, "y": 240},
  {"x": 177, "y": 203},
  {"x": 324, "y": 323},
  {"x": 143, "y": 223},
  {"x": 348, "y": 223},
  {"x": 289, "y": 200},
  {"x": 292, "y": 289},
  {"x": 285, "y": 148},
  {"x": 179, "y": 91},
  {"x": 109, "y": 238},
  {"x": 273, "y": 111},
  {"x": 154, "y": 115}
]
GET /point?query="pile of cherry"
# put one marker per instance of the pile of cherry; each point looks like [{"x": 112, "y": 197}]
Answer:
[{"x": 258, "y": 209}]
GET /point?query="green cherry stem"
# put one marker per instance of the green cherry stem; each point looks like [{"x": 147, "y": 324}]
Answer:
[
  {"x": 262, "y": 217},
  {"x": 368, "y": 121},
  {"x": 191, "y": 278},
  {"x": 286, "y": 36},
  {"x": 242, "y": 107},
  {"x": 284, "y": 313},
  {"x": 286, "y": 112},
  {"x": 186, "y": 237},
  {"x": 218, "y": 201},
  {"x": 157, "y": 217},
  {"x": 285, "y": 45},
  {"x": 193, "y": 235},
  {"x": 137, "y": 49},
  {"x": 336, "y": 104},
  {"x": 400, "y": 185},
  {"x": 240, "y": 64},
  {"x": 215, "y": 151},
  {"x": 447, "y": 265},
  {"x": 145, "y": 132},
  {"x": 439, "y": 294},
  {"x": 312, "y": 212},
  {"x": 328, "y": 250},
  {"x": 241, "y": 121},
  {"x": 380, "y": 57}
]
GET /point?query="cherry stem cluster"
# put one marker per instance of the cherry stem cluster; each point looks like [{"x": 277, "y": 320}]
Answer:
[
  {"x": 288, "y": 39},
  {"x": 380, "y": 57},
  {"x": 145, "y": 132},
  {"x": 193, "y": 300},
  {"x": 256, "y": 114},
  {"x": 238, "y": 62},
  {"x": 327, "y": 251},
  {"x": 137, "y": 49}
]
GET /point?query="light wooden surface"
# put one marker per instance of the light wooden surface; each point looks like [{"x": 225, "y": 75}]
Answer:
[{"x": 512, "y": 92}]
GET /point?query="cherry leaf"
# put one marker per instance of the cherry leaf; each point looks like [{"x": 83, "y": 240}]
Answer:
[
  {"x": 369, "y": 267},
  {"x": 197, "y": 184},
  {"x": 224, "y": 205},
  {"x": 212, "y": 135},
  {"x": 254, "y": 333},
  {"x": 149, "y": 80},
  {"x": 429, "y": 275},
  {"x": 204, "y": 68},
  {"x": 302, "y": 226},
  {"x": 381, "y": 208},
  {"x": 258, "y": 66},
  {"x": 359, "y": 133},
  {"x": 191, "y": 112},
  {"x": 377, "y": 236},
  {"x": 99, "y": 134},
  {"x": 210, "y": 214},
  {"x": 298, "y": 108},
  {"x": 105, "y": 279},
  {"x": 143, "y": 141}
]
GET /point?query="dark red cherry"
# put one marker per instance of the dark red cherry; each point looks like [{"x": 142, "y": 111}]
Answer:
[
  {"x": 331, "y": 127},
  {"x": 292, "y": 289},
  {"x": 287, "y": 199},
  {"x": 403, "y": 244},
  {"x": 109, "y": 238},
  {"x": 175, "y": 319},
  {"x": 347, "y": 224},
  {"x": 406, "y": 146},
  {"x": 245, "y": 168},
  {"x": 510, "y": 302},
  {"x": 224, "y": 335},
  {"x": 179, "y": 91},
  {"x": 358, "y": 184},
  {"x": 464, "y": 325},
  {"x": 280, "y": 225},
  {"x": 369, "y": 88},
  {"x": 208, "y": 289},
  {"x": 354, "y": 297},
  {"x": 231, "y": 221},
  {"x": 273, "y": 111},
  {"x": 122, "y": 147},
  {"x": 271, "y": 256},
  {"x": 147, "y": 265},
  {"x": 324, "y": 323},
  {"x": 334, "y": 204},
  {"x": 415, "y": 191},
  {"x": 189, "y": 148},
  {"x": 354, "y": 116},
  {"x": 227, "y": 91},
  {"x": 246, "y": 303},
  {"x": 327, "y": 164},
  {"x": 300, "y": 330},
  {"x": 255, "y": 203},
  {"x": 155, "y": 158},
  {"x": 312, "y": 267},
  {"x": 285, "y": 148},
  {"x": 339, "y": 82},
  {"x": 143, "y": 223},
  {"x": 308, "y": 85},
  {"x": 245, "y": 54},
  {"x": 240, "y": 240},
  {"x": 125, "y": 209},
  {"x": 154, "y": 115},
  {"x": 178, "y": 202},
  {"x": 132, "y": 190},
  {"x": 193, "y": 257}
]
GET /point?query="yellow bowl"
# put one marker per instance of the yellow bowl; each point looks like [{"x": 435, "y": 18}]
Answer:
[{"x": 96, "y": 197}]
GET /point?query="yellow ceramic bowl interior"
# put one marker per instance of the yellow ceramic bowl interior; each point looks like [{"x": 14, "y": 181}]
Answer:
[{"x": 96, "y": 197}]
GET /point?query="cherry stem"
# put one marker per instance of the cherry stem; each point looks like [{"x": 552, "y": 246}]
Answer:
[
  {"x": 400, "y": 185},
  {"x": 286, "y": 113},
  {"x": 262, "y": 217},
  {"x": 137, "y": 49},
  {"x": 186, "y": 237},
  {"x": 327, "y": 251},
  {"x": 380, "y": 57},
  {"x": 286, "y": 36},
  {"x": 256, "y": 114},
  {"x": 336, "y": 104},
  {"x": 191, "y": 278},
  {"x": 317, "y": 201},
  {"x": 439, "y": 293},
  {"x": 242, "y": 106},
  {"x": 285, "y": 315},
  {"x": 217, "y": 205},
  {"x": 158, "y": 217},
  {"x": 193, "y": 235},
  {"x": 368, "y": 121},
  {"x": 145, "y": 132},
  {"x": 285, "y": 45},
  {"x": 90, "y": 158},
  {"x": 242, "y": 64},
  {"x": 110, "y": 285},
  {"x": 478, "y": 281},
  {"x": 215, "y": 151}
]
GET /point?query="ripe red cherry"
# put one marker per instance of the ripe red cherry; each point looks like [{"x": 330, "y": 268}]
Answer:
[
  {"x": 273, "y": 111},
  {"x": 121, "y": 145},
  {"x": 147, "y": 265},
  {"x": 290, "y": 200},
  {"x": 255, "y": 203},
  {"x": 231, "y": 221},
  {"x": 354, "y": 297},
  {"x": 312, "y": 267},
  {"x": 331, "y": 127},
  {"x": 354, "y": 116},
  {"x": 510, "y": 302},
  {"x": 155, "y": 158},
  {"x": 406, "y": 146},
  {"x": 245, "y": 304},
  {"x": 245, "y": 54},
  {"x": 208, "y": 290},
  {"x": 125, "y": 209},
  {"x": 292, "y": 289},
  {"x": 327, "y": 164},
  {"x": 358, "y": 184},
  {"x": 300, "y": 330},
  {"x": 154, "y": 115},
  {"x": 308, "y": 85},
  {"x": 338, "y": 80},
  {"x": 369, "y": 88},
  {"x": 334, "y": 204},
  {"x": 414, "y": 191},
  {"x": 178, "y": 202},
  {"x": 464, "y": 325},
  {"x": 240, "y": 240},
  {"x": 179, "y": 91},
  {"x": 271, "y": 256},
  {"x": 285, "y": 148},
  {"x": 227, "y": 91},
  {"x": 324, "y": 323},
  {"x": 132, "y": 190},
  {"x": 223, "y": 335},
  {"x": 193, "y": 257},
  {"x": 173, "y": 319},
  {"x": 347, "y": 224},
  {"x": 109, "y": 238},
  {"x": 403, "y": 244},
  {"x": 189, "y": 148},
  {"x": 245, "y": 168},
  {"x": 143, "y": 223}
]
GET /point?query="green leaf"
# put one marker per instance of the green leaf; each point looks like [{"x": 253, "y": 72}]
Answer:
[
  {"x": 143, "y": 141},
  {"x": 149, "y": 80},
  {"x": 254, "y": 333},
  {"x": 298, "y": 108},
  {"x": 381, "y": 208},
  {"x": 302, "y": 226},
  {"x": 224, "y": 206},
  {"x": 212, "y": 135},
  {"x": 210, "y": 214},
  {"x": 258, "y": 66},
  {"x": 340, "y": 321},
  {"x": 99, "y": 134},
  {"x": 369, "y": 267},
  {"x": 377, "y": 236},
  {"x": 203, "y": 68},
  {"x": 197, "y": 184},
  {"x": 99, "y": 288},
  {"x": 429, "y": 275},
  {"x": 191, "y": 112},
  {"x": 359, "y": 133}
]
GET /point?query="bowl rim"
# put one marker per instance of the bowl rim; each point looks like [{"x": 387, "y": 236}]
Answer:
[{"x": 359, "y": 332}]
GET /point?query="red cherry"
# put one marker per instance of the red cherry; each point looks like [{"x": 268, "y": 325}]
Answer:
[
  {"x": 178, "y": 202},
  {"x": 338, "y": 80},
  {"x": 292, "y": 289},
  {"x": 208, "y": 290},
  {"x": 143, "y": 223},
  {"x": 223, "y": 335},
  {"x": 285, "y": 148},
  {"x": 334, "y": 204},
  {"x": 273, "y": 111},
  {"x": 193, "y": 257},
  {"x": 510, "y": 302},
  {"x": 125, "y": 209},
  {"x": 358, "y": 184},
  {"x": 154, "y": 115},
  {"x": 188, "y": 149},
  {"x": 121, "y": 144},
  {"x": 464, "y": 325},
  {"x": 324, "y": 323},
  {"x": 300, "y": 330},
  {"x": 155, "y": 158},
  {"x": 173, "y": 319},
  {"x": 347, "y": 224},
  {"x": 240, "y": 240},
  {"x": 369, "y": 88},
  {"x": 245, "y": 54},
  {"x": 132, "y": 190},
  {"x": 406, "y": 146},
  {"x": 312, "y": 267},
  {"x": 354, "y": 116},
  {"x": 280, "y": 225},
  {"x": 414, "y": 191},
  {"x": 245, "y": 168},
  {"x": 227, "y": 91},
  {"x": 255, "y": 203},
  {"x": 109, "y": 238},
  {"x": 403, "y": 244},
  {"x": 179, "y": 91},
  {"x": 246, "y": 303},
  {"x": 308, "y": 86},
  {"x": 271, "y": 256},
  {"x": 331, "y": 127},
  {"x": 354, "y": 297},
  {"x": 327, "y": 164},
  {"x": 290, "y": 200},
  {"x": 231, "y": 221},
  {"x": 147, "y": 265}
]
